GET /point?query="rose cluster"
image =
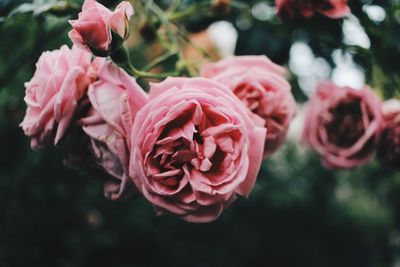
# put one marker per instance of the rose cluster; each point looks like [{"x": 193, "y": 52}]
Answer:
[{"x": 190, "y": 146}]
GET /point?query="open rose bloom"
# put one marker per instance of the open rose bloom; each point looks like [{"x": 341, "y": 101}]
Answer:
[
  {"x": 115, "y": 99},
  {"x": 343, "y": 125},
  {"x": 99, "y": 29},
  {"x": 194, "y": 148},
  {"x": 259, "y": 84},
  {"x": 60, "y": 81},
  {"x": 389, "y": 146},
  {"x": 288, "y": 9}
]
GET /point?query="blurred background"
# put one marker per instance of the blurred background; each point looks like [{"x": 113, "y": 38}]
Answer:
[{"x": 299, "y": 214}]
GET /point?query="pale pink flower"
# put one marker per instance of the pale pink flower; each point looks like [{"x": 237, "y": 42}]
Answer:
[
  {"x": 194, "y": 148},
  {"x": 100, "y": 29},
  {"x": 343, "y": 125},
  {"x": 52, "y": 95},
  {"x": 259, "y": 84}
]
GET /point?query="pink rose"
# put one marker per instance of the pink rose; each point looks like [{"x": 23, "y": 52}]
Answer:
[
  {"x": 100, "y": 29},
  {"x": 259, "y": 84},
  {"x": 61, "y": 79},
  {"x": 343, "y": 125},
  {"x": 389, "y": 147},
  {"x": 288, "y": 9},
  {"x": 115, "y": 99},
  {"x": 194, "y": 147}
]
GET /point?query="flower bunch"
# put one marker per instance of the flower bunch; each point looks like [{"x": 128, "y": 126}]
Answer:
[{"x": 190, "y": 145}]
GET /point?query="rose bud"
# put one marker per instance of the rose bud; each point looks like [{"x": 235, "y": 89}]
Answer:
[
  {"x": 194, "y": 148},
  {"x": 289, "y": 9},
  {"x": 389, "y": 147},
  {"x": 343, "y": 125},
  {"x": 259, "y": 84},
  {"x": 52, "y": 95},
  {"x": 115, "y": 100},
  {"x": 99, "y": 29}
]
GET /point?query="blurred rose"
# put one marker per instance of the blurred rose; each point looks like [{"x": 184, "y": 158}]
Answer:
[
  {"x": 343, "y": 124},
  {"x": 115, "y": 100},
  {"x": 194, "y": 147},
  {"x": 100, "y": 29},
  {"x": 61, "y": 79},
  {"x": 288, "y": 9},
  {"x": 389, "y": 147},
  {"x": 259, "y": 84}
]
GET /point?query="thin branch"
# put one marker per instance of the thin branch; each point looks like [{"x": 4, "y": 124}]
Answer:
[{"x": 159, "y": 60}]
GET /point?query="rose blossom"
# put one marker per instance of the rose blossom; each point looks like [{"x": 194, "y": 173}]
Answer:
[
  {"x": 259, "y": 84},
  {"x": 288, "y": 9},
  {"x": 61, "y": 79},
  {"x": 96, "y": 24},
  {"x": 194, "y": 147},
  {"x": 389, "y": 147},
  {"x": 115, "y": 100},
  {"x": 343, "y": 124}
]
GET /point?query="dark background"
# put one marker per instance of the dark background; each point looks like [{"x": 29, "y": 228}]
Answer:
[{"x": 299, "y": 214}]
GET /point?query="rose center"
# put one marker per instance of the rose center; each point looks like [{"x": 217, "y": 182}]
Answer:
[
  {"x": 251, "y": 95},
  {"x": 199, "y": 140},
  {"x": 345, "y": 125}
]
